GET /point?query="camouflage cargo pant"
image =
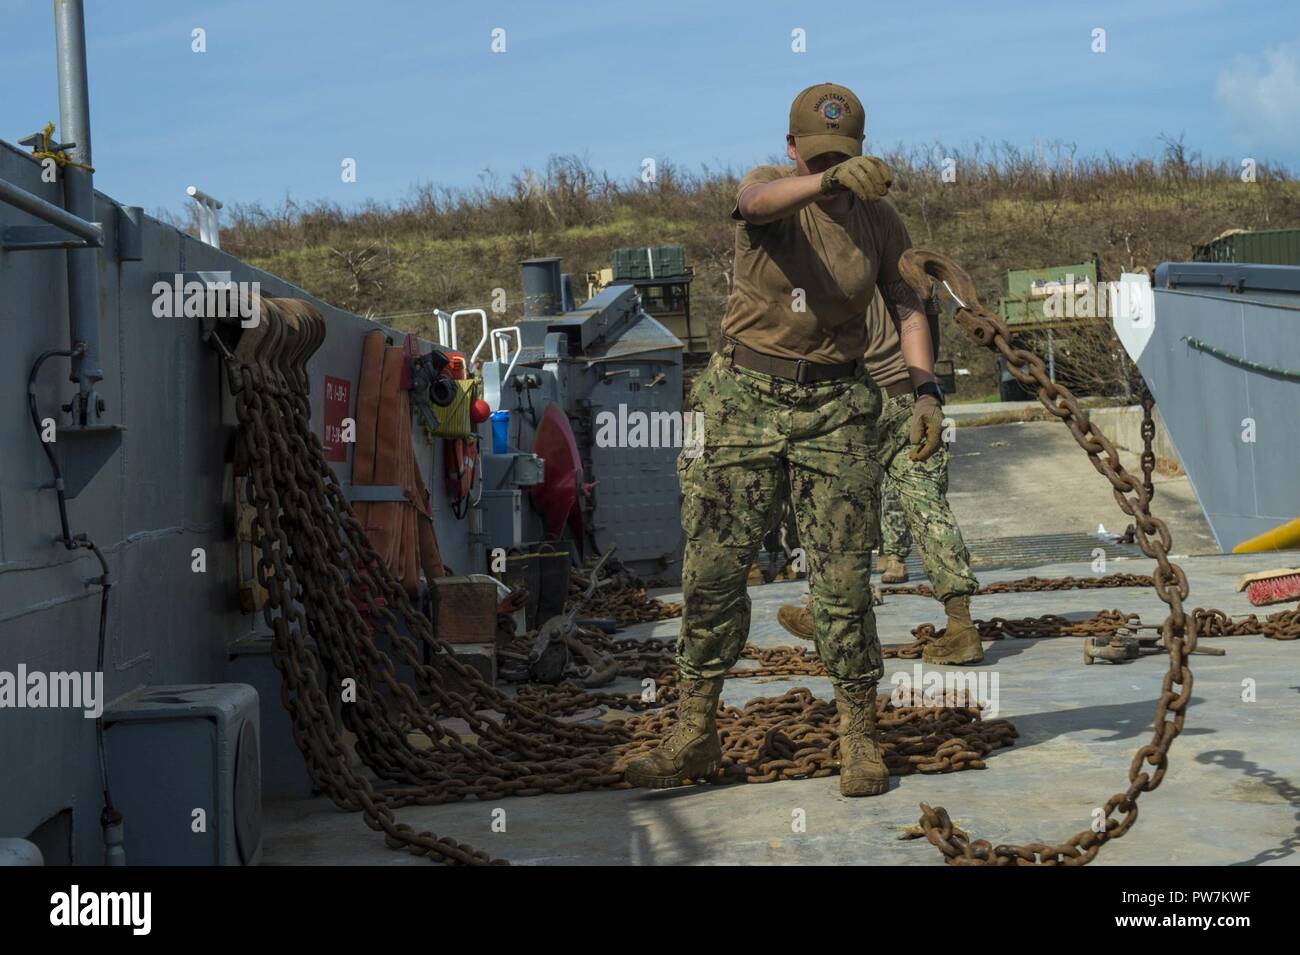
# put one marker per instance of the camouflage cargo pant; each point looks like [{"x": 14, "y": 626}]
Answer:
[
  {"x": 764, "y": 438},
  {"x": 914, "y": 505}
]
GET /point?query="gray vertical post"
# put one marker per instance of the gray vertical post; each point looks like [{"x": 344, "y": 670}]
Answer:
[
  {"x": 79, "y": 199},
  {"x": 74, "y": 91}
]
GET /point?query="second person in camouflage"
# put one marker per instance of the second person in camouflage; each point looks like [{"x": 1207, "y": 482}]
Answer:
[{"x": 914, "y": 506}]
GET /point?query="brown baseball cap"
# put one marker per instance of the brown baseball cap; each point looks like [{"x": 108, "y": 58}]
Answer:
[{"x": 827, "y": 118}]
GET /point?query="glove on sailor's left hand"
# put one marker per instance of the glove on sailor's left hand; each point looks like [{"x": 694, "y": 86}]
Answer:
[{"x": 927, "y": 427}]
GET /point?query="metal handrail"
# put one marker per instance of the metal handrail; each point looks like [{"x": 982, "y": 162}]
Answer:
[
  {"x": 483, "y": 339},
  {"x": 20, "y": 198},
  {"x": 209, "y": 216},
  {"x": 501, "y": 347}
]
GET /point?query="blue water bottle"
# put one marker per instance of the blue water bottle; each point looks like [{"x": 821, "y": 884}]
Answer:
[{"x": 501, "y": 432}]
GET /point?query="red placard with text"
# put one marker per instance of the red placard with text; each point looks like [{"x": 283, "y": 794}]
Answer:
[{"x": 338, "y": 398}]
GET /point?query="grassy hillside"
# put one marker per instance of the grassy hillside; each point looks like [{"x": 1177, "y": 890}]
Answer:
[{"x": 1005, "y": 209}]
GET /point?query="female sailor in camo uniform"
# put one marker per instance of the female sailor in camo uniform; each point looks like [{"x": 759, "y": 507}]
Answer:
[{"x": 788, "y": 408}]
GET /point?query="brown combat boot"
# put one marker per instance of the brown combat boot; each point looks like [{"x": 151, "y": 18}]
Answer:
[
  {"x": 796, "y": 620},
  {"x": 862, "y": 763},
  {"x": 892, "y": 569},
  {"x": 960, "y": 643},
  {"x": 692, "y": 750}
]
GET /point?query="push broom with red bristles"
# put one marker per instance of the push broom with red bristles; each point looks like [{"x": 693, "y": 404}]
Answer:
[{"x": 1271, "y": 586}]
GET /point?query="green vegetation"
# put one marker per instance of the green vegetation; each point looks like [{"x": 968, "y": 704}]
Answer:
[
  {"x": 973, "y": 398},
  {"x": 1005, "y": 209}
]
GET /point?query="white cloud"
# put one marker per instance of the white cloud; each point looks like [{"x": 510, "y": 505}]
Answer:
[{"x": 1260, "y": 96}]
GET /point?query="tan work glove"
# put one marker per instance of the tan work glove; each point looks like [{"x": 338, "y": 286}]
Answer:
[
  {"x": 927, "y": 427},
  {"x": 865, "y": 176}
]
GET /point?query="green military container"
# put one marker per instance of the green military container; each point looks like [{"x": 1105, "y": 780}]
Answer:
[
  {"x": 648, "y": 262},
  {"x": 1270, "y": 247},
  {"x": 1026, "y": 293},
  {"x": 1041, "y": 300}
]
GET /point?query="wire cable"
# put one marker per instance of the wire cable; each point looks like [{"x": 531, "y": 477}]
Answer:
[{"x": 110, "y": 816}]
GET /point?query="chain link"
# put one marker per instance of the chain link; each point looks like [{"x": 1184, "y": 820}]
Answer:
[
  {"x": 343, "y": 626},
  {"x": 1148, "y": 441},
  {"x": 921, "y": 268},
  {"x": 1035, "y": 584}
]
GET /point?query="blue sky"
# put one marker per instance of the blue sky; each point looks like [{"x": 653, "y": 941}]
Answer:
[{"x": 412, "y": 91}]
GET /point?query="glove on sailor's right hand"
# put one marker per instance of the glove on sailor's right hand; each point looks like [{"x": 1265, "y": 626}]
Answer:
[{"x": 866, "y": 177}]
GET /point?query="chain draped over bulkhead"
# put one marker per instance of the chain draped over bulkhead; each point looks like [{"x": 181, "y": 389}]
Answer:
[
  {"x": 341, "y": 621},
  {"x": 343, "y": 625}
]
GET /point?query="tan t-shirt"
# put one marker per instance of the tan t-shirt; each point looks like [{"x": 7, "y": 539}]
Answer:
[
  {"x": 837, "y": 263},
  {"x": 883, "y": 355}
]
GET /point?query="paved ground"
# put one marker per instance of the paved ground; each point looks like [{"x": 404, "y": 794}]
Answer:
[
  {"x": 966, "y": 410},
  {"x": 1232, "y": 795},
  {"x": 1032, "y": 478}
]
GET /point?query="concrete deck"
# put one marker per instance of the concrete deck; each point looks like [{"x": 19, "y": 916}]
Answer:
[
  {"x": 1232, "y": 795},
  {"x": 1032, "y": 478}
]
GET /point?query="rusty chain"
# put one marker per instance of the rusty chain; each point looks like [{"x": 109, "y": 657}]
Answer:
[
  {"x": 1148, "y": 457},
  {"x": 654, "y": 655},
  {"x": 1034, "y": 584},
  {"x": 1284, "y": 625},
  {"x": 792, "y": 736},
  {"x": 1148, "y": 443},
  {"x": 338, "y": 617},
  {"x": 343, "y": 626},
  {"x": 628, "y": 605},
  {"x": 633, "y": 605},
  {"x": 318, "y": 568},
  {"x": 922, "y": 269}
]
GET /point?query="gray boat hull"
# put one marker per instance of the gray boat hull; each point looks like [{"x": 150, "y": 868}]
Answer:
[{"x": 1204, "y": 338}]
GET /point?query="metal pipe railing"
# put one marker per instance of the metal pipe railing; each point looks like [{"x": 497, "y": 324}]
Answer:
[
  {"x": 20, "y": 198},
  {"x": 209, "y": 216}
]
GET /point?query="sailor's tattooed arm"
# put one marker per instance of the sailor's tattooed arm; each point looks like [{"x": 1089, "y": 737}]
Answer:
[
  {"x": 901, "y": 299},
  {"x": 908, "y": 314}
]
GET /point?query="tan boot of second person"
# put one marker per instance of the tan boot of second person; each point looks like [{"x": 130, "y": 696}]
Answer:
[
  {"x": 892, "y": 570},
  {"x": 796, "y": 620},
  {"x": 692, "y": 750},
  {"x": 862, "y": 762},
  {"x": 960, "y": 643}
]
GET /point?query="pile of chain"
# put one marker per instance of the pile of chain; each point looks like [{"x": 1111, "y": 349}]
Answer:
[
  {"x": 1284, "y": 625},
  {"x": 793, "y": 736},
  {"x": 1035, "y": 584},
  {"x": 1107, "y": 623},
  {"x": 319, "y": 571},
  {"x": 628, "y": 603},
  {"x": 654, "y": 657}
]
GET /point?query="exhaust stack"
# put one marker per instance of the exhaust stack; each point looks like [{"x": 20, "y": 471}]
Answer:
[{"x": 543, "y": 288}]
